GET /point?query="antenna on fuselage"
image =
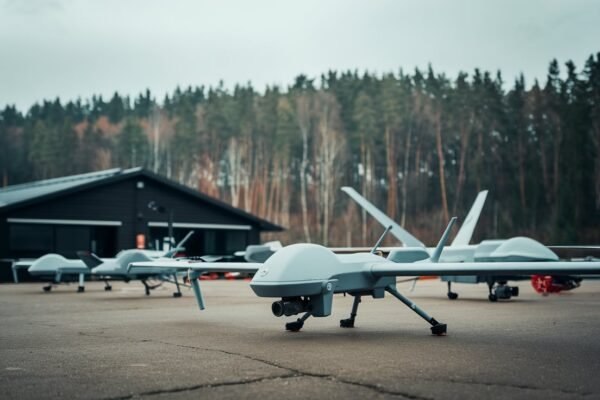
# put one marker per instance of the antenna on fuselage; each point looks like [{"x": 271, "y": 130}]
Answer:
[{"x": 374, "y": 249}]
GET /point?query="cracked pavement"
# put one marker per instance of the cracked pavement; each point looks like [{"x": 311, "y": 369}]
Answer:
[{"x": 122, "y": 345}]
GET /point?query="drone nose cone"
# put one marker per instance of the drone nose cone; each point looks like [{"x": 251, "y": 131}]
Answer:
[
  {"x": 299, "y": 269},
  {"x": 299, "y": 262}
]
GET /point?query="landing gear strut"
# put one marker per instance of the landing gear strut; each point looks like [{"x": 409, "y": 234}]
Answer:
[
  {"x": 451, "y": 295},
  {"x": 149, "y": 287},
  {"x": 81, "y": 287},
  {"x": 178, "y": 292},
  {"x": 437, "y": 328},
  {"x": 107, "y": 286},
  {"x": 146, "y": 287},
  {"x": 349, "y": 322},
  {"x": 298, "y": 324}
]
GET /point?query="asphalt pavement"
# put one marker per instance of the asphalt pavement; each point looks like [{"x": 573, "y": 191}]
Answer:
[{"x": 122, "y": 344}]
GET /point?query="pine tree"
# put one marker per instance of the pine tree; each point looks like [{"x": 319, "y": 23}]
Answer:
[
  {"x": 132, "y": 145},
  {"x": 116, "y": 109}
]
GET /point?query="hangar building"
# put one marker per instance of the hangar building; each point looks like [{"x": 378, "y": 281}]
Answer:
[{"x": 108, "y": 211}]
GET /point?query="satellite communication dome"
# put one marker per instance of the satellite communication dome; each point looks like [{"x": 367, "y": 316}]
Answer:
[{"x": 523, "y": 249}]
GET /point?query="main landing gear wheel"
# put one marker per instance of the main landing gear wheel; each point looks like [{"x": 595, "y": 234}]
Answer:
[
  {"x": 294, "y": 326},
  {"x": 439, "y": 329},
  {"x": 347, "y": 323},
  {"x": 176, "y": 294},
  {"x": 80, "y": 289},
  {"x": 492, "y": 297},
  {"x": 107, "y": 288},
  {"x": 47, "y": 288}
]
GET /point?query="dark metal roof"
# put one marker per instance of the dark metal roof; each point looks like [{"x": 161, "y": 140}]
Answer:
[
  {"x": 18, "y": 193},
  {"x": 33, "y": 192}
]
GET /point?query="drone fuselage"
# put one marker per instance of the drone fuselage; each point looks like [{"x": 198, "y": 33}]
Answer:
[{"x": 305, "y": 277}]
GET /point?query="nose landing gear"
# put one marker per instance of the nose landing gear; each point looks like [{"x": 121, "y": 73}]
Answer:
[{"x": 451, "y": 295}]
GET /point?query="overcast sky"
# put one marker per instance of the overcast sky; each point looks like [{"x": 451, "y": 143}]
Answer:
[{"x": 71, "y": 48}]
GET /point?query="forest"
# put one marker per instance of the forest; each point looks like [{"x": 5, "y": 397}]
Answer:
[{"x": 418, "y": 144}]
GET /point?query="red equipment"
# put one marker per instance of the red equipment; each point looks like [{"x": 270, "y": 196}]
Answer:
[{"x": 545, "y": 284}]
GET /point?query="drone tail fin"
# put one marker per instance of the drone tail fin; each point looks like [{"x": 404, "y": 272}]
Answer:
[
  {"x": 185, "y": 239},
  {"x": 463, "y": 237},
  {"x": 89, "y": 259}
]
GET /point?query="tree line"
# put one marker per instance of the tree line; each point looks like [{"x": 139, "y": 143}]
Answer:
[{"x": 420, "y": 145}]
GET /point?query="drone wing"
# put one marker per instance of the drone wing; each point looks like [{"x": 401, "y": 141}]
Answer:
[
  {"x": 428, "y": 268},
  {"x": 399, "y": 233},
  {"x": 195, "y": 268}
]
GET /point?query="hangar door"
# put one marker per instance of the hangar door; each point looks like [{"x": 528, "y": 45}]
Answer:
[
  {"x": 34, "y": 239},
  {"x": 202, "y": 242}
]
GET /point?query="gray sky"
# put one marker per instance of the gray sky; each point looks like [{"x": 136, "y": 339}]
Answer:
[{"x": 71, "y": 48}]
